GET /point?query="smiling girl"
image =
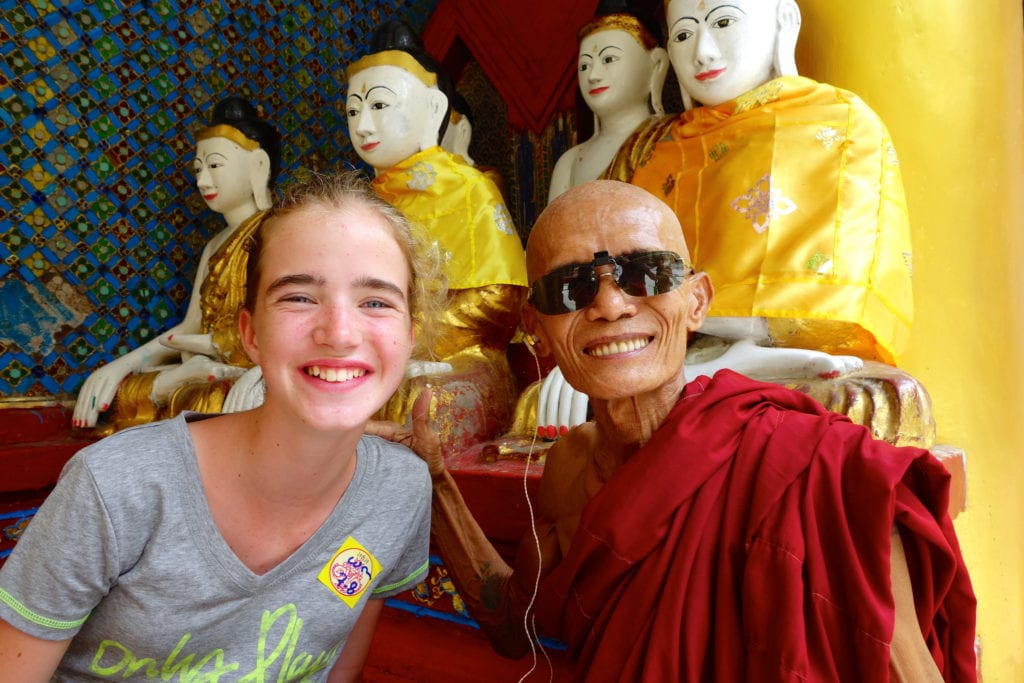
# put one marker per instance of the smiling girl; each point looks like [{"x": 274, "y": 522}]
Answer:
[{"x": 256, "y": 544}]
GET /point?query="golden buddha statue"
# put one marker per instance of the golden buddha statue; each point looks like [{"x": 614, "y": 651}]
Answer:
[
  {"x": 192, "y": 365},
  {"x": 398, "y": 110}
]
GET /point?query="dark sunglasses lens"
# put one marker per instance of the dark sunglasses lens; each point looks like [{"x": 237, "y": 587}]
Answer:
[
  {"x": 564, "y": 290},
  {"x": 653, "y": 273}
]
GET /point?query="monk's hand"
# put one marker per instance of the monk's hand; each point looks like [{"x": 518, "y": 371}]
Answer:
[{"x": 422, "y": 438}]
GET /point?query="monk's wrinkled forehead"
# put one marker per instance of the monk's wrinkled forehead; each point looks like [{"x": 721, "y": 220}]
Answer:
[{"x": 603, "y": 215}]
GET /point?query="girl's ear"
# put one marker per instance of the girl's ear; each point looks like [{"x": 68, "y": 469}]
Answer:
[
  {"x": 247, "y": 335},
  {"x": 259, "y": 178}
]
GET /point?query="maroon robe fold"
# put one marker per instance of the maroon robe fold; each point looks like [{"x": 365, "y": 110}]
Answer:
[{"x": 749, "y": 540}]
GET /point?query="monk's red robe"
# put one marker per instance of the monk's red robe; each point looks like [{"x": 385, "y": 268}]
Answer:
[{"x": 749, "y": 540}]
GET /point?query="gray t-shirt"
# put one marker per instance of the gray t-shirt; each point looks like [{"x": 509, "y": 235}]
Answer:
[{"x": 125, "y": 556}]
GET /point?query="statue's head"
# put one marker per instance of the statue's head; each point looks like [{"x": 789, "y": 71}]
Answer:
[
  {"x": 620, "y": 60},
  {"x": 720, "y": 50},
  {"x": 238, "y": 157},
  {"x": 397, "y": 101},
  {"x": 459, "y": 133}
]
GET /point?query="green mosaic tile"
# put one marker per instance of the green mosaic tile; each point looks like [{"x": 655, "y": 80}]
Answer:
[
  {"x": 19, "y": 19},
  {"x": 82, "y": 269},
  {"x": 161, "y": 273},
  {"x": 18, "y": 62},
  {"x": 103, "y": 249},
  {"x": 14, "y": 373},
  {"x": 81, "y": 349},
  {"x": 84, "y": 61},
  {"x": 103, "y": 291},
  {"x": 14, "y": 240}
]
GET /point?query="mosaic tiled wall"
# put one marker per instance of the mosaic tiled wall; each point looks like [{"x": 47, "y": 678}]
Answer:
[{"x": 100, "y": 223}]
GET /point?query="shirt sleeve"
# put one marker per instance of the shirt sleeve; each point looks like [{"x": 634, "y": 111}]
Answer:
[{"x": 65, "y": 561}]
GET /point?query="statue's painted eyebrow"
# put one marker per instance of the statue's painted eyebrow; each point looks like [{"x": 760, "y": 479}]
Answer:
[
  {"x": 367, "y": 94},
  {"x": 693, "y": 19},
  {"x": 738, "y": 9},
  {"x": 708, "y": 15},
  {"x": 609, "y": 47}
]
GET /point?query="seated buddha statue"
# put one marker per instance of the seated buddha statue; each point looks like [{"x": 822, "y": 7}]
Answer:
[
  {"x": 621, "y": 71},
  {"x": 191, "y": 365},
  {"x": 790, "y": 198},
  {"x": 397, "y": 112}
]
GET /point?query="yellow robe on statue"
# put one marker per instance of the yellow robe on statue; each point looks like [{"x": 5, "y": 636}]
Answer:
[
  {"x": 221, "y": 296},
  {"x": 463, "y": 210},
  {"x": 791, "y": 199}
]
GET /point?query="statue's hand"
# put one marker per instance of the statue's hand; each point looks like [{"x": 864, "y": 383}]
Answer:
[
  {"x": 422, "y": 438},
  {"x": 559, "y": 406},
  {"x": 98, "y": 393},
  {"x": 199, "y": 344},
  {"x": 774, "y": 363},
  {"x": 785, "y": 45},
  {"x": 246, "y": 393},
  {"x": 418, "y": 368},
  {"x": 195, "y": 369}
]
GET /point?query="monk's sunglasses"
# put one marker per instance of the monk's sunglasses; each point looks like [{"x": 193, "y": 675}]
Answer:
[{"x": 572, "y": 287}]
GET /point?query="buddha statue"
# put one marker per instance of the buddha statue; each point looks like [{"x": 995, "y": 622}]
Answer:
[
  {"x": 398, "y": 109},
  {"x": 621, "y": 70},
  {"x": 459, "y": 135},
  {"x": 790, "y": 198},
  {"x": 192, "y": 365}
]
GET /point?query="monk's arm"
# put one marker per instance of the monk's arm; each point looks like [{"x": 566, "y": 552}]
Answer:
[
  {"x": 495, "y": 594},
  {"x": 909, "y": 659}
]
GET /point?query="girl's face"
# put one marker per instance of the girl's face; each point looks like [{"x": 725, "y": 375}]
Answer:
[{"x": 331, "y": 327}]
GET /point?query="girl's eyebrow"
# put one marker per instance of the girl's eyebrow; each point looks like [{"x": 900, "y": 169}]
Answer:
[
  {"x": 297, "y": 279},
  {"x": 366, "y": 281},
  {"x": 378, "y": 283}
]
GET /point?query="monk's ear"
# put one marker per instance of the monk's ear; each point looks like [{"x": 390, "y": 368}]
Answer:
[
  {"x": 701, "y": 293},
  {"x": 537, "y": 340}
]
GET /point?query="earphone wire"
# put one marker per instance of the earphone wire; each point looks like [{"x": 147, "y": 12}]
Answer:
[{"x": 529, "y": 619}]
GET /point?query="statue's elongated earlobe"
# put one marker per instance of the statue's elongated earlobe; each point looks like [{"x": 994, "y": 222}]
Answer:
[
  {"x": 659, "y": 70},
  {"x": 259, "y": 177}
]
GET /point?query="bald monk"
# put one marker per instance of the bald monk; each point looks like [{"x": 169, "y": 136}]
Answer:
[{"x": 718, "y": 530}]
